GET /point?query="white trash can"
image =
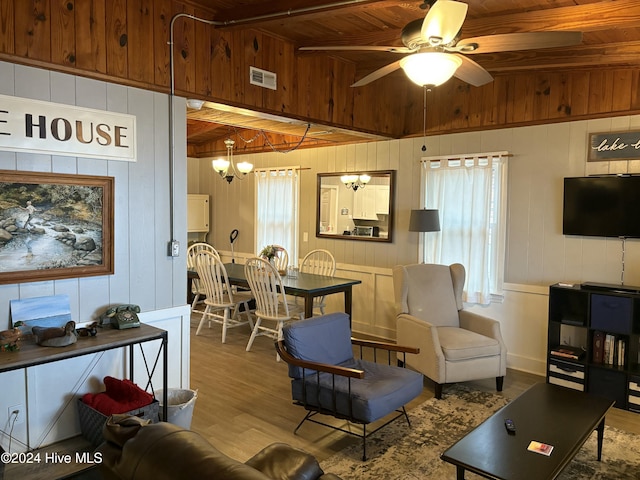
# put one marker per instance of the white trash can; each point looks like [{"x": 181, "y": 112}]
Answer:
[{"x": 180, "y": 404}]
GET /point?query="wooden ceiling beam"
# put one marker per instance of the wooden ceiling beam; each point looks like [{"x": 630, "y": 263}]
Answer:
[
  {"x": 245, "y": 16},
  {"x": 591, "y": 17},
  {"x": 618, "y": 54},
  {"x": 586, "y": 18},
  {"x": 199, "y": 127}
]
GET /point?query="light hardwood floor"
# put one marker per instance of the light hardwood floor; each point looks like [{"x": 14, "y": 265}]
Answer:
[{"x": 244, "y": 399}]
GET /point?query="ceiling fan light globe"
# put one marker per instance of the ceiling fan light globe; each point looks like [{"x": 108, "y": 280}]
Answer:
[
  {"x": 364, "y": 178},
  {"x": 430, "y": 68}
]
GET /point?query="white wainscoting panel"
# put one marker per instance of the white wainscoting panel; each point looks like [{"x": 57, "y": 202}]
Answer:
[{"x": 52, "y": 389}]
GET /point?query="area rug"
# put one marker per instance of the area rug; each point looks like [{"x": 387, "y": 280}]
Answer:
[{"x": 398, "y": 452}]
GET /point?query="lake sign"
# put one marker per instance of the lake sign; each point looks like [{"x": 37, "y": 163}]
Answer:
[{"x": 604, "y": 147}]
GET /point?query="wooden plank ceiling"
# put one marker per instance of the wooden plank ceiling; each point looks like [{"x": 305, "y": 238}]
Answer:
[{"x": 611, "y": 38}]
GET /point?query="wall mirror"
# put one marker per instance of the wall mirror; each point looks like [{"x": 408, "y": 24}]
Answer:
[{"x": 356, "y": 205}]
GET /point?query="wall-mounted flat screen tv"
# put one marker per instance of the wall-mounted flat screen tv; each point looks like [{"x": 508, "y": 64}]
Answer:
[{"x": 606, "y": 206}]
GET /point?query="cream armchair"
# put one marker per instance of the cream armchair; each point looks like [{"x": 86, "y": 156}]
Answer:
[{"x": 456, "y": 345}]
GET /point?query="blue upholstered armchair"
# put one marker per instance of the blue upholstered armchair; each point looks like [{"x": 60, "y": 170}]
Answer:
[{"x": 328, "y": 380}]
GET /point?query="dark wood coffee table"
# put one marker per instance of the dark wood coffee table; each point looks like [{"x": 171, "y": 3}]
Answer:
[{"x": 545, "y": 413}]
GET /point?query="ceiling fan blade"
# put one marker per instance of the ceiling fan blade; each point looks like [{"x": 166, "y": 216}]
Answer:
[
  {"x": 375, "y": 75},
  {"x": 365, "y": 48},
  {"x": 518, "y": 41},
  {"x": 443, "y": 21},
  {"x": 472, "y": 73}
]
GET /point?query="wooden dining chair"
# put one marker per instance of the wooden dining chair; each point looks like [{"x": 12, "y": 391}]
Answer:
[
  {"x": 220, "y": 300},
  {"x": 196, "y": 285},
  {"x": 272, "y": 309},
  {"x": 319, "y": 262},
  {"x": 281, "y": 260}
]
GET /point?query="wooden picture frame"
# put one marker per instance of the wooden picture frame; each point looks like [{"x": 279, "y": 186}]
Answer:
[
  {"x": 55, "y": 226},
  {"x": 364, "y": 213}
]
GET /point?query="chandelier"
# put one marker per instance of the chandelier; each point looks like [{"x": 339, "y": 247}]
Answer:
[
  {"x": 227, "y": 169},
  {"x": 355, "y": 181}
]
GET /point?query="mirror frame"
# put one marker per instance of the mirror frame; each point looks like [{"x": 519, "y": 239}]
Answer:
[{"x": 391, "y": 174}]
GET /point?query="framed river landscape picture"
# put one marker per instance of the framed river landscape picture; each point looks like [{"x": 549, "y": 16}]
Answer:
[{"x": 55, "y": 226}]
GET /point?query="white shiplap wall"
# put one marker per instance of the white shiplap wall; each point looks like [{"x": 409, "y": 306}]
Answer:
[{"x": 144, "y": 274}]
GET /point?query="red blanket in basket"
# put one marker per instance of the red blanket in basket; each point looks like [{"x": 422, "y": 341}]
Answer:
[{"x": 121, "y": 396}]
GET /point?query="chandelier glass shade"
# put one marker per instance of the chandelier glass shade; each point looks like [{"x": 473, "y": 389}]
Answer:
[
  {"x": 430, "y": 68},
  {"x": 227, "y": 169},
  {"x": 355, "y": 181}
]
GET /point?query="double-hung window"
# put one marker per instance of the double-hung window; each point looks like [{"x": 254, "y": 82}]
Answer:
[
  {"x": 470, "y": 193},
  {"x": 277, "y": 191}
]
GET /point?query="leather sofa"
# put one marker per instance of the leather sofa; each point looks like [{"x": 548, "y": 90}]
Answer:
[{"x": 136, "y": 449}]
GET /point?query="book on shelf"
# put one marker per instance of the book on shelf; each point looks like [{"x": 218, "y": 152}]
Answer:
[
  {"x": 609, "y": 348},
  {"x": 620, "y": 352},
  {"x": 567, "y": 351},
  {"x": 613, "y": 350},
  {"x": 598, "y": 347}
]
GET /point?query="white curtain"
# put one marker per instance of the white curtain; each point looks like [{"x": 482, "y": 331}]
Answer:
[
  {"x": 463, "y": 189},
  {"x": 277, "y": 210}
]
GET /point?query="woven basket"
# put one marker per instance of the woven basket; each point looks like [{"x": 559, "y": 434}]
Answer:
[{"x": 92, "y": 421}]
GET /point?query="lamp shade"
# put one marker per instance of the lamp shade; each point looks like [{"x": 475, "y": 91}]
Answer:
[
  {"x": 430, "y": 68},
  {"x": 424, "y": 221}
]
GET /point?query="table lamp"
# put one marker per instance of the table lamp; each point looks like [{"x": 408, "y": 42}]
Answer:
[{"x": 424, "y": 221}]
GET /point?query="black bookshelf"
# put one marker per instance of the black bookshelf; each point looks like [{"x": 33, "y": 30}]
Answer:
[{"x": 593, "y": 340}]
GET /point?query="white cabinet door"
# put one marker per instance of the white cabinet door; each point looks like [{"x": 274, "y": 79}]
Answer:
[
  {"x": 197, "y": 213},
  {"x": 364, "y": 203},
  {"x": 382, "y": 199}
]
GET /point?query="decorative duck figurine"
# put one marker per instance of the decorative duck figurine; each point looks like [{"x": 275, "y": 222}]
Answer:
[
  {"x": 56, "y": 336},
  {"x": 9, "y": 338},
  {"x": 89, "y": 330}
]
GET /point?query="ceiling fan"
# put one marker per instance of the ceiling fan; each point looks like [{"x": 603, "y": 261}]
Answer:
[{"x": 436, "y": 53}]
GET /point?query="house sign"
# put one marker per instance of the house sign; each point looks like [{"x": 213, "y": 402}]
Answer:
[
  {"x": 609, "y": 146},
  {"x": 55, "y": 129}
]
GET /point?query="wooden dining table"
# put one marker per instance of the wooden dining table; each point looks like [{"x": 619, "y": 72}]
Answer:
[{"x": 305, "y": 285}]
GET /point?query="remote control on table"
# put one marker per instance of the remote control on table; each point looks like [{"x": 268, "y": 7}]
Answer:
[{"x": 510, "y": 426}]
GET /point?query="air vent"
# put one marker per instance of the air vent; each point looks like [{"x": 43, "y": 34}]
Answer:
[{"x": 262, "y": 78}]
